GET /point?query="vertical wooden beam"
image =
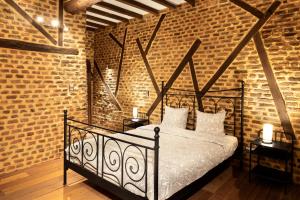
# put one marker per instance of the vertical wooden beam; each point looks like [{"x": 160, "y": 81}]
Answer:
[
  {"x": 121, "y": 63},
  {"x": 107, "y": 88},
  {"x": 175, "y": 75},
  {"x": 19, "y": 10},
  {"x": 89, "y": 90},
  {"x": 258, "y": 25},
  {"x": 61, "y": 22},
  {"x": 196, "y": 86},
  {"x": 275, "y": 91},
  {"x": 143, "y": 54}
]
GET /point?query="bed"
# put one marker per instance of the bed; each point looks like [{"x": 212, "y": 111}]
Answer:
[{"x": 156, "y": 162}]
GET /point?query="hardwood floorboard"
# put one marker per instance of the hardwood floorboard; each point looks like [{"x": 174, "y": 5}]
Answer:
[{"x": 45, "y": 182}]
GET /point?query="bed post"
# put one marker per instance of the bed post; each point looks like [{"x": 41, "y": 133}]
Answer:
[
  {"x": 242, "y": 122},
  {"x": 156, "y": 164},
  {"x": 162, "y": 102},
  {"x": 65, "y": 145}
]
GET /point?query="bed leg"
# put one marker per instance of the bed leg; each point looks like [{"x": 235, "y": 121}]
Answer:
[{"x": 65, "y": 175}]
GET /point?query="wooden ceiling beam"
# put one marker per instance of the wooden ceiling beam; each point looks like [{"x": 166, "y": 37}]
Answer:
[
  {"x": 165, "y": 3},
  {"x": 91, "y": 29},
  {"x": 97, "y": 19},
  {"x": 192, "y": 2},
  {"x": 140, "y": 5},
  {"x": 95, "y": 24},
  {"x": 119, "y": 10},
  {"x": 106, "y": 14},
  {"x": 75, "y": 6}
]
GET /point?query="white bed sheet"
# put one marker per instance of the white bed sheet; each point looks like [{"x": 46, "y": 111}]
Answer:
[{"x": 184, "y": 157}]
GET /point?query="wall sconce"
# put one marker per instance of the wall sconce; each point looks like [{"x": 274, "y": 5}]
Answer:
[
  {"x": 267, "y": 133},
  {"x": 135, "y": 112}
]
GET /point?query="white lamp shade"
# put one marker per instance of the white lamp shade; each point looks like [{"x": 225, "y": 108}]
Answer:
[
  {"x": 135, "y": 112},
  {"x": 267, "y": 133}
]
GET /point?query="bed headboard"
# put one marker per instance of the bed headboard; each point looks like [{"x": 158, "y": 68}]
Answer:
[{"x": 231, "y": 100}]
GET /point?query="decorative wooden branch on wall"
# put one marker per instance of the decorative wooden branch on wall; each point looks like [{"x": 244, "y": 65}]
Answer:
[
  {"x": 175, "y": 75},
  {"x": 196, "y": 85},
  {"x": 89, "y": 89},
  {"x": 112, "y": 96},
  {"x": 31, "y": 20},
  {"x": 28, "y": 46},
  {"x": 254, "y": 33},
  {"x": 275, "y": 91},
  {"x": 122, "y": 46},
  {"x": 144, "y": 53},
  {"x": 258, "y": 25}
]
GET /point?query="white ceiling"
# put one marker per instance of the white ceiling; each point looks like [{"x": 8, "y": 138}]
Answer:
[{"x": 120, "y": 4}]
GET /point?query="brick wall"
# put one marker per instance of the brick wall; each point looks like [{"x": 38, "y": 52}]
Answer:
[
  {"x": 36, "y": 87},
  {"x": 220, "y": 25}
]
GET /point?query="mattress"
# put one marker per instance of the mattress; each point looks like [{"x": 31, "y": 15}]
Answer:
[{"x": 184, "y": 157}]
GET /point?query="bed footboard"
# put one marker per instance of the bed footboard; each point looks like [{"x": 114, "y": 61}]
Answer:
[{"x": 126, "y": 166}]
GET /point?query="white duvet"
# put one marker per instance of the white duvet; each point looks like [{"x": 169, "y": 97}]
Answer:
[{"x": 184, "y": 157}]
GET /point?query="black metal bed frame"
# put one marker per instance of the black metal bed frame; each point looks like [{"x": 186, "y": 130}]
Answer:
[{"x": 118, "y": 169}]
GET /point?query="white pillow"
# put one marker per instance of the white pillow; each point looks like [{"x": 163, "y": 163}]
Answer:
[
  {"x": 175, "y": 117},
  {"x": 210, "y": 123}
]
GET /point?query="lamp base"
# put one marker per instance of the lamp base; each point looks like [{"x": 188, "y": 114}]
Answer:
[{"x": 266, "y": 142}]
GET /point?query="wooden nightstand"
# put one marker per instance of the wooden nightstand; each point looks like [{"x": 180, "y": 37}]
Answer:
[
  {"x": 278, "y": 150},
  {"x": 132, "y": 123}
]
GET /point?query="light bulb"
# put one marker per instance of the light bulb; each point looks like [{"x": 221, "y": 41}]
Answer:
[
  {"x": 40, "y": 19},
  {"x": 54, "y": 23}
]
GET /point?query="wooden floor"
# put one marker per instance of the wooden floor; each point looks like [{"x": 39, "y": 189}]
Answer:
[{"x": 44, "y": 182}]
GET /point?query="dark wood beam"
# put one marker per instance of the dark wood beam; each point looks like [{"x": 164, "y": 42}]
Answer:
[
  {"x": 166, "y": 3},
  {"x": 119, "y": 9},
  {"x": 116, "y": 40},
  {"x": 257, "y": 26},
  {"x": 143, "y": 54},
  {"x": 162, "y": 17},
  {"x": 248, "y": 8},
  {"x": 97, "y": 19},
  {"x": 75, "y": 6},
  {"x": 106, "y": 14},
  {"x": 175, "y": 75},
  {"x": 95, "y": 25},
  {"x": 19, "y": 10},
  {"x": 196, "y": 85},
  {"x": 275, "y": 91},
  {"x": 61, "y": 22},
  {"x": 89, "y": 90},
  {"x": 192, "y": 2},
  {"x": 28, "y": 46},
  {"x": 107, "y": 88},
  {"x": 140, "y": 5},
  {"x": 91, "y": 29},
  {"x": 121, "y": 63}
]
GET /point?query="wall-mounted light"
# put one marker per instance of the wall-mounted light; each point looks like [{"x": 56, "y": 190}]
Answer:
[{"x": 267, "y": 133}]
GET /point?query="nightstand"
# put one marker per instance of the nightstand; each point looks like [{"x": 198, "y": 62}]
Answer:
[
  {"x": 277, "y": 150},
  {"x": 132, "y": 123}
]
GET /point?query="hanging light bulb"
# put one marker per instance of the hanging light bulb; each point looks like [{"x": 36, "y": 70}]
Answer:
[
  {"x": 40, "y": 19},
  {"x": 54, "y": 23},
  {"x": 66, "y": 29}
]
